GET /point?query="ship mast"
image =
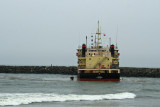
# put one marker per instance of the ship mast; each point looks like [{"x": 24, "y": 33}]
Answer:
[{"x": 99, "y": 36}]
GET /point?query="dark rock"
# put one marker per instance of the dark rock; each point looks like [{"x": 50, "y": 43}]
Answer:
[{"x": 72, "y": 70}]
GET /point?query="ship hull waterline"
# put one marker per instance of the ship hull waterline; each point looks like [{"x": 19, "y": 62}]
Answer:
[
  {"x": 86, "y": 79},
  {"x": 98, "y": 77}
]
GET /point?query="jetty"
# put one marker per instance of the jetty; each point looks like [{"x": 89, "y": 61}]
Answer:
[{"x": 72, "y": 70}]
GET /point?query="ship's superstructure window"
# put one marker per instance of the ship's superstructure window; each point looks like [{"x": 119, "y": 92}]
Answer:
[
  {"x": 79, "y": 50},
  {"x": 101, "y": 50},
  {"x": 92, "y": 50}
]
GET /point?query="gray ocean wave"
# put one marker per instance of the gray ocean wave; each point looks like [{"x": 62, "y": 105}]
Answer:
[
  {"x": 7, "y": 99},
  {"x": 33, "y": 79}
]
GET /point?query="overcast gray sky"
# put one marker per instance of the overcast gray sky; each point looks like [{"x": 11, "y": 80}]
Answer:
[{"x": 45, "y": 32}]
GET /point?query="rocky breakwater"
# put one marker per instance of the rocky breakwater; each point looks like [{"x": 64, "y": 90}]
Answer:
[
  {"x": 140, "y": 72},
  {"x": 72, "y": 70},
  {"x": 39, "y": 69}
]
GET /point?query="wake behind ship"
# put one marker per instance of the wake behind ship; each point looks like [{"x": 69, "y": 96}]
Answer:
[{"x": 98, "y": 63}]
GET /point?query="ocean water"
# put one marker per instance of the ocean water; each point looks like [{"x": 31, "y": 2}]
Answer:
[{"x": 54, "y": 90}]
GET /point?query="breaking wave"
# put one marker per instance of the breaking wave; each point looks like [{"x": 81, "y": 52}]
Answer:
[{"x": 7, "y": 99}]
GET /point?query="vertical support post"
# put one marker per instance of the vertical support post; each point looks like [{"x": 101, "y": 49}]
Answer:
[
  {"x": 110, "y": 41},
  {"x": 86, "y": 40}
]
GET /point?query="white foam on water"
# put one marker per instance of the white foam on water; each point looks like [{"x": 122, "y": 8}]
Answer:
[{"x": 27, "y": 98}]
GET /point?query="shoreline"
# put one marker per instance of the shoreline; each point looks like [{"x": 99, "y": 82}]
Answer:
[{"x": 72, "y": 70}]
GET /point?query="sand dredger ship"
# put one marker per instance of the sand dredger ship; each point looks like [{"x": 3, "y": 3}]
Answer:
[{"x": 98, "y": 63}]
